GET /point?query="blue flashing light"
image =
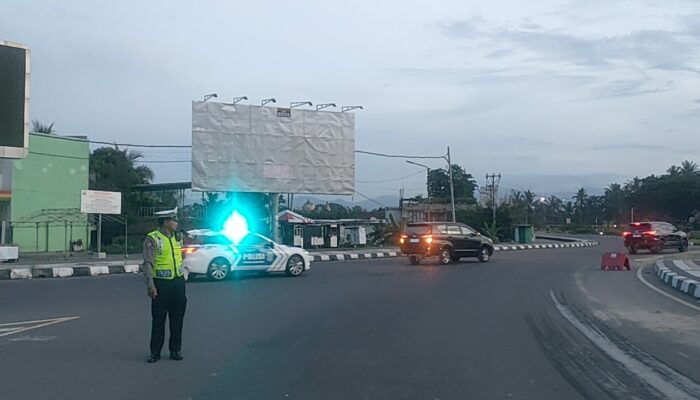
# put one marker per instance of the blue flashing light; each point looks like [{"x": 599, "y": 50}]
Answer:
[{"x": 236, "y": 227}]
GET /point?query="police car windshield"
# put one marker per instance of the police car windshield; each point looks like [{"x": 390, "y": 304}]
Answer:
[
  {"x": 253, "y": 240},
  {"x": 210, "y": 239}
]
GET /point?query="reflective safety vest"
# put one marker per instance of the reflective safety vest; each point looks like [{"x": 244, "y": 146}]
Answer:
[{"x": 167, "y": 263}]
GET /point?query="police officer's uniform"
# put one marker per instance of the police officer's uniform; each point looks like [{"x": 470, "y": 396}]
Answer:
[{"x": 163, "y": 270}]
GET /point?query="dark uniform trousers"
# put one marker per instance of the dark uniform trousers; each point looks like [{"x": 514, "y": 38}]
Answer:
[{"x": 170, "y": 302}]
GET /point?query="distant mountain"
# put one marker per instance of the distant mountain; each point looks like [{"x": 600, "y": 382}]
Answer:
[{"x": 348, "y": 201}]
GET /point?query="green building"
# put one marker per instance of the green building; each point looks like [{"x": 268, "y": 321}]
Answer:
[{"x": 45, "y": 193}]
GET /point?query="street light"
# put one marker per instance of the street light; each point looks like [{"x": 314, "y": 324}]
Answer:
[
  {"x": 350, "y": 108},
  {"x": 270, "y": 100},
  {"x": 428, "y": 172},
  {"x": 209, "y": 96},
  {"x": 237, "y": 99},
  {"x": 325, "y": 105},
  {"x": 300, "y": 103}
]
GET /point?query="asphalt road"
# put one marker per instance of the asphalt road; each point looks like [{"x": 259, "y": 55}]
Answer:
[{"x": 528, "y": 325}]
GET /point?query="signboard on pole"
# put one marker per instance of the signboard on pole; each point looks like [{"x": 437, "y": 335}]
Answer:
[
  {"x": 100, "y": 202},
  {"x": 247, "y": 148},
  {"x": 14, "y": 99}
]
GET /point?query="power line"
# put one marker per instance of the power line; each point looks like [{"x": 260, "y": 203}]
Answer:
[
  {"x": 372, "y": 200},
  {"x": 162, "y": 161},
  {"x": 371, "y": 153},
  {"x": 392, "y": 179},
  {"x": 58, "y": 155},
  {"x": 184, "y": 146}
]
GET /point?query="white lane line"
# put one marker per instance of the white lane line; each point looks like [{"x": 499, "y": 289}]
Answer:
[
  {"x": 39, "y": 324},
  {"x": 653, "y": 372},
  {"x": 661, "y": 292},
  {"x": 685, "y": 267}
]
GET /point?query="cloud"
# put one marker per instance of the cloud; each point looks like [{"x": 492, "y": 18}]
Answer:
[
  {"x": 630, "y": 88},
  {"x": 630, "y": 146},
  {"x": 666, "y": 50}
]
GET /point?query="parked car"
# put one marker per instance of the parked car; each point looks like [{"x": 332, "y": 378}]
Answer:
[
  {"x": 213, "y": 254},
  {"x": 654, "y": 236},
  {"x": 449, "y": 241}
]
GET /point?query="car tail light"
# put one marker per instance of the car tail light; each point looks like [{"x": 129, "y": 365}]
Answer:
[
  {"x": 403, "y": 238},
  {"x": 428, "y": 238},
  {"x": 650, "y": 233},
  {"x": 188, "y": 250},
  {"x": 626, "y": 233}
]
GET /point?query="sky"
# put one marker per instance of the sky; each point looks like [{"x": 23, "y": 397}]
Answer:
[{"x": 554, "y": 95}]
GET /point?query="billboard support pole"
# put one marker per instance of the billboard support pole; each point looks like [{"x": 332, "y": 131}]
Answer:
[
  {"x": 274, "y": 220},
  {"x": 126, "y": 237},
  {"x": 99, "y": 234}
]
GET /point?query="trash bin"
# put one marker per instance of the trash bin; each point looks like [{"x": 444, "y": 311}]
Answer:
[{"x": 524, "y": 233}]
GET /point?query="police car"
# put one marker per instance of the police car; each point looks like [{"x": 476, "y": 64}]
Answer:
[{"x": 214, "y": 254}]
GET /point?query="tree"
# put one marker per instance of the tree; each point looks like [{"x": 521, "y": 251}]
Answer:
[
  {"x": 115, "y": 170},
  {"x": 689, "y": 168},
  {"x": 580, "y": 201},
  {"x": 38, "y": 127},
  {"x": 439, "y": 184},
  {"x": 614, "y": 201},
  {"x": 673, "y": 170},
  {"x": 554, "y": 207}
]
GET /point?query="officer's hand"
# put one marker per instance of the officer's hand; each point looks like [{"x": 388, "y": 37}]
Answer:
[{"x": 152, "y": 292}]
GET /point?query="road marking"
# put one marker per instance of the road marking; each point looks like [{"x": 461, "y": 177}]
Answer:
[
  {"x": 28, "y": 325},
  {"x": 661, "y": 292},
  {"x": 687, "y": 268},
  {"x": 667, "y": 381}
]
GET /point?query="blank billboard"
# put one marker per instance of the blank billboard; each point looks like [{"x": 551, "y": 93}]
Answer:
[
  {"x": 14, "y": 100},
  {"x": 244, "y": 148}
]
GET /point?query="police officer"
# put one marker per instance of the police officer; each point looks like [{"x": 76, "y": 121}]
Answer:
[{"x": 162, "y": 265}]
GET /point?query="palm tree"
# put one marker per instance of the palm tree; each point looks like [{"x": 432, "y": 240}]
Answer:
[
  {"x": 529, "y": 199},
  {"x": 614, "y": 200},
  {"x": 580, "y": 202},
  {"x": 673, "y": 170},
  {"x": 554, "y": 206},
  {"x": 689, "y": 168},
  {"x": 519, "y": 204},
  {"x": 569, "y": 209},
  {"x": 38, "y": 127}
]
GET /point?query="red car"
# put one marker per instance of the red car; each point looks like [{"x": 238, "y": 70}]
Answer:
[{"x": 655, "y": 237}]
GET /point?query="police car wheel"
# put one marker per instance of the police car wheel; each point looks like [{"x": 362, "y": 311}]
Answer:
[
  {"x": 218, "y": 269},
  {"x": 295, "y": 266}
]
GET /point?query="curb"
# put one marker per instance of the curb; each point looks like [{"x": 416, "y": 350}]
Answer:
[
  {"x": 679, "y": 282},
  {"x": 389, "y": 254},
  {"x": 355, "y": 256},
  {"x": 516, "y": 247},
  {"x": 67, "y": 272}
]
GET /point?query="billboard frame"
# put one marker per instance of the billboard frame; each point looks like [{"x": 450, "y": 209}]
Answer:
[{"x": 11, "y": 151}]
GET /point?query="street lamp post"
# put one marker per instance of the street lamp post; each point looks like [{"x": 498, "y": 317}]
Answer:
[
  {"x": 452, "y": 186},
  {"x": 428, "y": 177},
  {"x": 350, "y": 108},
  {"x": 325, "y": 105},
  {"x": 300, "y": 103}
]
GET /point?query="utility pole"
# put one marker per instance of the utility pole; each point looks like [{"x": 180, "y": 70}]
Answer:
[
  {"x": 493, "y": 190},
  {"x": 452, "y": 186}
]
